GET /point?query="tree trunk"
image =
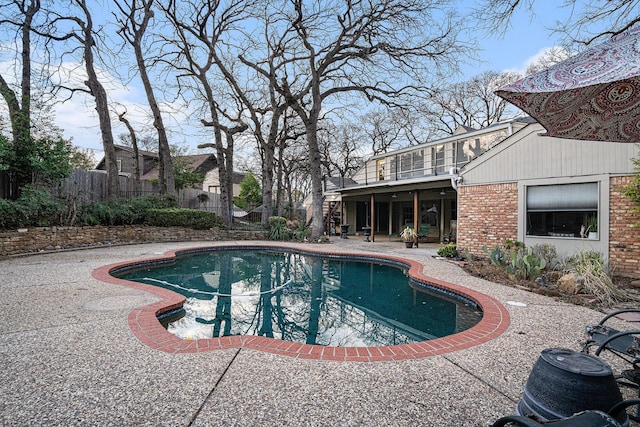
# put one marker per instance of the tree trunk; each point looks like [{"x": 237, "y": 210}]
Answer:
[
  {"x": 267, "y": 184},
  {"x": 20, "y": 111},
  {"x": 315, "y": 169},
  {"x": 166, "y": 176},
  {"x": 136, "y": 156},
  {"x": 102, "y": 106}
]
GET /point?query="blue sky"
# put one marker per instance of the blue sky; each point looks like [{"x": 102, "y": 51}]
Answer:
[{"x": 526, "y": 37}]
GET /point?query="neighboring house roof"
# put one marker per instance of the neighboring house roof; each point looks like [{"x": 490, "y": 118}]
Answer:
[
  {"x": 140, "y": 152},
  {"x": 143, "y": 153},
  {"x": 197, "y": 162},
  {"x": 332, "y": 182},
  {"x": 463, "y": 129},
  {"x": 238, "y": 177}
]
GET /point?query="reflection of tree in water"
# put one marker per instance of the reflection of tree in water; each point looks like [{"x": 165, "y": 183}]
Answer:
[{"x": 308, "y": 299}]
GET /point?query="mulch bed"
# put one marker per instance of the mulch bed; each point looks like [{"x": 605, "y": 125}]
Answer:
[{"x": 490, "y": 272}]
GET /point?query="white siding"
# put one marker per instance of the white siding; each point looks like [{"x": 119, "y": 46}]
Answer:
[{"x": 528, "y": 155}]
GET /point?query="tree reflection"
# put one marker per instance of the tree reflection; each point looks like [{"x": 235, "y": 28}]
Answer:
[{"x": 305, "y": 299}]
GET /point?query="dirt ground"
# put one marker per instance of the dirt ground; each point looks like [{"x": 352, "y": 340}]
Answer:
[{"x": 497, "y": 274}]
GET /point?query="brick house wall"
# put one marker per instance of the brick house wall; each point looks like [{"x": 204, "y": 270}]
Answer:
[
  {"x": 487, "y": 215},
  {"x": 624, "y": 236}
]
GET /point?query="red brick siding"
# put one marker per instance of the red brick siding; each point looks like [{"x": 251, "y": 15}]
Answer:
[
  {"x": 624, "y": 235},
  {"x": 487, "y": 215}
]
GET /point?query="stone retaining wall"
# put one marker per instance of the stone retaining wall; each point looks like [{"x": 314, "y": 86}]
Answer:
[{"x": 50, "y": 238}]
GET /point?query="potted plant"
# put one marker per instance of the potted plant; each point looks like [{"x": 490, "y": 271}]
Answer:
[
  {"x": 592, "y": 227},
  {"x": 408, "y": 235}
]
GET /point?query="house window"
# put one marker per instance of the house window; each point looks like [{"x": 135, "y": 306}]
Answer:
[
  {"x": 119, "y": 165},
  {"x": 407, "y": 214},
  {"x": 565, "y": 210},
  {"x": 418, "y": 163},
  {"x": 405, "y": 166},
  {"x": 438, "y": 158},
  {"x": 380, "y": 169}
]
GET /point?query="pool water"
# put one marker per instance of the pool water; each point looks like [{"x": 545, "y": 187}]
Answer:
[{"x": 303, "y": 298}]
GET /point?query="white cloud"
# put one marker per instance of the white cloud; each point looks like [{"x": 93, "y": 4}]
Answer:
[{"x": 545, "y": 57}]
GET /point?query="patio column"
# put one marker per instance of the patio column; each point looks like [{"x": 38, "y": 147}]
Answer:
[
  {"x": 416, "y": 216},
  {"x": 373, "y": 217},
  {"x": 441, "y": 220}
]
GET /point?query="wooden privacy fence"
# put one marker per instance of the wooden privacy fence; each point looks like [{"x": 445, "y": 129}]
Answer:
[
  {"x": 91, "y": 186},
  {"x": 87, "y": 186},
  {"x": 194, "y": 198}
]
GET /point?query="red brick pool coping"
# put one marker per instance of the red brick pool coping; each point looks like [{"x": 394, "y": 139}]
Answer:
[{"x": 144, "y": 323}]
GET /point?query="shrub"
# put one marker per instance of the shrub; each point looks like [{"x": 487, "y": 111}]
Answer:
[
  {"x": 302, "y": 231},
  {"x": 278, "y": 228},
  {"x": 545, "y": 251},
  {"x": 597, "y": 277},
  {"x": 37, "y": 207},
  {"x": 177, "y": 217},
  {"x": 9, "y": 214},
  {"x": 120, "y": 211},
  {"x": 114, "y": 211},
  {"x": 448, "y": 251}
]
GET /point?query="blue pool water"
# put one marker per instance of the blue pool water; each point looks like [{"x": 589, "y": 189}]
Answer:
[{"x": 299, "y": 297}]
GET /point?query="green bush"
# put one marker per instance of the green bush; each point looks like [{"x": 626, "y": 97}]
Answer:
[
  {"x": 178, "y": 217},
  {"x": 37, "y": 207},
  {"x": 448, "y": 251},
  {"x": 278, "y": 228},
  {"x": 120, "y": 211},
  {"x": 9, "y": 214},
  {"x": 302, "y": 231},
  {"x": 114, "y": 211}
]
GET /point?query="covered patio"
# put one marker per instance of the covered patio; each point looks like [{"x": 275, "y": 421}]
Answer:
[{"x": 386, "y": 208}]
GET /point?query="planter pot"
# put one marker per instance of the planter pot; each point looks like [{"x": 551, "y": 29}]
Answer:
[
  {"x": 408, "y": 244},
  {"x": 563, "y": 382},
  {"x": 593, "y": 235}
]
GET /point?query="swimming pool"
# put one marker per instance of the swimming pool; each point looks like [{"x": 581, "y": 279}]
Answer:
[
  {"x": 143, "y": 320},
  {"x": 303, "y": 298}
]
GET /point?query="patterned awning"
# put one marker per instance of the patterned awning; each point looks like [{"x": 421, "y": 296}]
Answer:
[{"x": 594, "y": 95}]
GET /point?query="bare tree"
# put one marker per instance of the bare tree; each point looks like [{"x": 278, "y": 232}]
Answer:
[
  {"x": 584, "y": 24},
  {"x": 471, "y": 103},
  {"x": 199, "y": 27},
  {"x": 340, "y": 146},
  {"x": 374, "y": 48},
  {"x": 134, "y": 22},
  {"x": 266, "y": 110},
  {"x": 20, "y": 15},
  {"x": 83, "y": 31},
  {"x": 384, "y": 129},
  {"x": 548, "y": 58}
]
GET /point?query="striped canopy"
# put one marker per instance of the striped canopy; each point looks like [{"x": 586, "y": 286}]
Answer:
[{"x": 594, "y": 95}]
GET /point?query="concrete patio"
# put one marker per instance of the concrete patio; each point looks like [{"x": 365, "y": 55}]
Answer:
[{"x": 69, "y": 357}]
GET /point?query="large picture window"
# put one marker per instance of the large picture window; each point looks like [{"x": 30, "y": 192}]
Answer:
[{"x": 566, "y": 210}]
